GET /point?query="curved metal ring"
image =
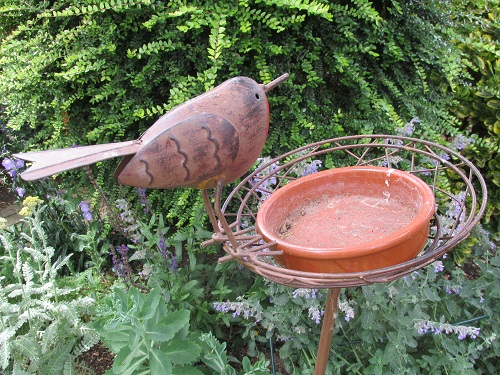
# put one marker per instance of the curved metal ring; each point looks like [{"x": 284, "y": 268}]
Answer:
[{"x": 459, "y": 188}]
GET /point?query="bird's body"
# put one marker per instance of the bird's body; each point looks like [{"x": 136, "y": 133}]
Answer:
[{"x": 216, "y": 136}]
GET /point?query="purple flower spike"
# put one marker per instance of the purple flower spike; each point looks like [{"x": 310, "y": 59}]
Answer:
[{"x": 144, "y": 199}]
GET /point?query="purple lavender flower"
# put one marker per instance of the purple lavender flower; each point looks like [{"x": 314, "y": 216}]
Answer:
[
  {"x": 438, "y": 266},
  {"x": 86, "y": 212},
  {"x": 221, "y": 307},
  {"x": 409, "y": 127},
  {"x": 311, "y": 167},
  {"x": 120, "y": 262},
  {"x": 315, "y": 314},
  {"x": 455, "y": 289},
  {"x": 144, "y": 199},
  {"x": 239, "y": 308},
  {"x": 167, "y": 256},
  {"x": 347, "y": 309},
  {"x": 425, "y": 326},
  {"x": 304, "y": 292},
  {"x": 162, "y": 245},
  {"x": 123, "y": 250},
  {"x": 174, "y": 266},
  {"x": 461, "y": 141},
  {"x": 266, "y": 185}
]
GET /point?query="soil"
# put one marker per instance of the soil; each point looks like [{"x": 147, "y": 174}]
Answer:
[
  {"x": 345, "y": 220},
  {"x": 98, "y": 358},
  {"x": 6, "y": 197}
]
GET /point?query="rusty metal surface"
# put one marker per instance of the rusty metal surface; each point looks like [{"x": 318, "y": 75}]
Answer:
[
  {"x": 458, "y": 211},
  {"x": 215, "y": 137}
]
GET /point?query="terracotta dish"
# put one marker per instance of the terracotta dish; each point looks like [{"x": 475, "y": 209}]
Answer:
[{"x": 349, "y": 219}]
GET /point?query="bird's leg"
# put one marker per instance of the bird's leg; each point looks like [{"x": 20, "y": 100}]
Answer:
[
  {"x": 210, "y": 210},
  {"x": 228, "y": 232}
]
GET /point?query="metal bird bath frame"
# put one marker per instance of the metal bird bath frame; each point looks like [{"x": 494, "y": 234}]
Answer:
[{"x": 458, "y": 211}]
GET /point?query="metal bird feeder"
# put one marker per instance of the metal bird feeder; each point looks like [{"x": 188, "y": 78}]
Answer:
[{"x": 258, "y": 237}]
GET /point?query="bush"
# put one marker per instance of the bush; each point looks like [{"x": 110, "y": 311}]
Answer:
[
  {"x": 95, "y": 72},
  {"x": 478, "y": 94}
]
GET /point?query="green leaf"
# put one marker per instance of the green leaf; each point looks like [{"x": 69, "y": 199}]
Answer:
[
  {"x": 484, "y": 94},
  {"x": 176, "y": 320},
  {"x": 160, "y": 332},
  {"x": 182, "y": 352},
  {"x": 150, "y": 305},
  {"x": 479, "y": 62},
  {"x": 494, "y": 103},
  {"x": 186, "y": 370},
  {"x": 127, "y": 360},
  {"x": 115, "y": 340},
  {"x": 159, "y": 362}
]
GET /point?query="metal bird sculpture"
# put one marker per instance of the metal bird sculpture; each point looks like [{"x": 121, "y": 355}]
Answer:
[{"x": 211, "y": 139}]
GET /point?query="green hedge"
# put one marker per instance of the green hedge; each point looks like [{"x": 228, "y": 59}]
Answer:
[{"x": 84, "y": 72}]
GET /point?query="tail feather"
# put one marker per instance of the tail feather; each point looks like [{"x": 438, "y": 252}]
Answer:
[{"x": 49, "y": 162}]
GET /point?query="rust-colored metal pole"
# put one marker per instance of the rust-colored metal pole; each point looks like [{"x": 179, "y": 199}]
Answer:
[{"x": 325, "y": 340}]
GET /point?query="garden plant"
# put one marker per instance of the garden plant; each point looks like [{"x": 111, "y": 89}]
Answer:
[{"x": 97, "y": 265}]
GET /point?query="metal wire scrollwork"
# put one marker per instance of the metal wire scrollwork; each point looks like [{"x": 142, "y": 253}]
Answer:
[{"x": 458, "y": 186}]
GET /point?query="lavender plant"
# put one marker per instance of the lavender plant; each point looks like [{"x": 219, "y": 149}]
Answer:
[
  {"x": 399, "y": 327},
  {"x": 436, "y": 320}
]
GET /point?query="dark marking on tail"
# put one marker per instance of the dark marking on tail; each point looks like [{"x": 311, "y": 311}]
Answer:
[
  {"x": 214, "y": 141},
  {"x": 179, "y": 150}
]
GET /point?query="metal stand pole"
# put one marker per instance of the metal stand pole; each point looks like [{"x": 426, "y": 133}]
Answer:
[{"x": 325, "y": 340}]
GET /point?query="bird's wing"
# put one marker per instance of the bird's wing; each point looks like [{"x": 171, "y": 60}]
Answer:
[
  {"x": 189, "y": 153},
  {"x": 49, "y": 162}
]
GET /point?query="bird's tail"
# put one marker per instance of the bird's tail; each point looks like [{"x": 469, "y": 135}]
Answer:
[{"x": 49, "y": 162}]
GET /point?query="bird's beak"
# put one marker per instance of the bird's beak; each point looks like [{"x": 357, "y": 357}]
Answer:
[{"x": 271, "y": 85}]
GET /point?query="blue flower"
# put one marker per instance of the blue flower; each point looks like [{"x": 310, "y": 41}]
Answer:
[
  {"x": 20, "y": 191},
  {"x": 8, "y": 164},
  {"x": 19, "y": 163},
  {"x": 12, "y": 166},
  {"x": 86, "y": 212}
]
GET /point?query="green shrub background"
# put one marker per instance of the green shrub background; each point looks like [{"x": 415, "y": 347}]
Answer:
[{"x": 85, "y": 72}]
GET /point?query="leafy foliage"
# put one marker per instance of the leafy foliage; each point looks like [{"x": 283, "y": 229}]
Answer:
[
  {"x": 434, "y": 320},
  {"x": 478, "y": 95},
  {"x": 145, "y": 335},
  {"x": 215, "y": 357},
  {"x": 103, "y": 71},
  {"x": 41, "y": 327}
]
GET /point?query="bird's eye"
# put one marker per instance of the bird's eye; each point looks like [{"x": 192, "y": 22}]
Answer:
[{"x": 257, "y": 96}]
